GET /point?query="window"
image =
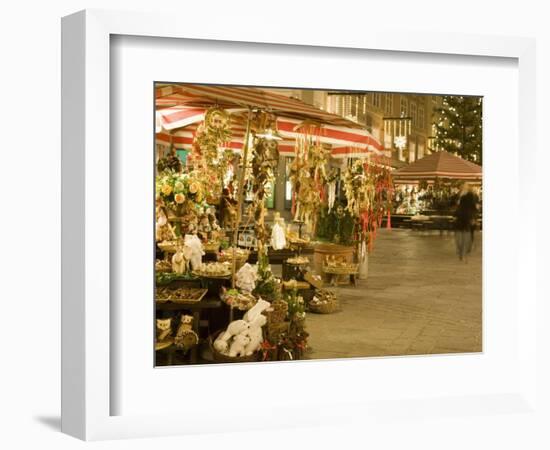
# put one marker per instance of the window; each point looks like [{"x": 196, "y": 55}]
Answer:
[
  {"x": 334, "y": 103},
  {"x": 414, "y": 118},
  {"x": 376, "y": 99},
  {"x": 421, "y": 118},
  {"x": 388, "y": 107},
  {"x": 353, "y": 109},
  {"x": 403, "y": 107},
  {"x": 347, "y": 105}
]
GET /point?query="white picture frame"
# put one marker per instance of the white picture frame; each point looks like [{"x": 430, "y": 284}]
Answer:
[{"x": 86, "y": 218}]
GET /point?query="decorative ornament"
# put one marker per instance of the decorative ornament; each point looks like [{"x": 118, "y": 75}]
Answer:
[
  {"x": 186, "y": 338},
  {"x": 164, "y": 329}
]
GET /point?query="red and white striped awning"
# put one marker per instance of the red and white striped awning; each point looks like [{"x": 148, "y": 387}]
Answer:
[
  {"x": 358, "y": 140},
  {"x": 182, "y": 107},
  {"x": 178, "y": 117},
  {"x": 346, "y": 143},
  {"x": 245, "y": 97},
  {"x": 182, "y": 139}
]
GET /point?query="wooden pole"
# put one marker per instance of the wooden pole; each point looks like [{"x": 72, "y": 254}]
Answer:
[{"x": 240, "y": 197}]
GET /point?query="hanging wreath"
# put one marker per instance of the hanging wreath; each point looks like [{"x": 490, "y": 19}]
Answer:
[{"x": 210, "y": 152}]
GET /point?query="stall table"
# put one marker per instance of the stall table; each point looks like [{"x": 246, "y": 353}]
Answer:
[
  {"x": 420, "y": 224},
  {"x": 278, "y": 256},
  {"x": 336, "y": 274}
]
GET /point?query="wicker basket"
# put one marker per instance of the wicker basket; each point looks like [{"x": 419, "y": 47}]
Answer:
[
  {"x": 275, "y": 330},
  {"x": 211, "y": 246},
  {"x": 240, "y": 260},
  {"x": 315, "y": 280},
  {"x": 324, "y": 308},
  {"x": 279, "y": 309},
  {"x": 329, "y": 307},
  {"x": 349, "y": 269},
  {"x": 221, "y": 358},
  {"x": 168, "y": 246}
]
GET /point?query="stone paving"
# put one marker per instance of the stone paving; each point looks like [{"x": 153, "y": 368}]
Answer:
[{"x": 418, "y": 299}]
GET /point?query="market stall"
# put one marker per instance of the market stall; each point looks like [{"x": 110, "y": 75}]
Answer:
[
  {"x": 218, "y": 151},
  {"x": 430, "y": 185}
]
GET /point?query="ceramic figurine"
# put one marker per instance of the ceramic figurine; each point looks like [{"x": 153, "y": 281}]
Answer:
[
  {"x": 186, "y": 338},
  {"x": 164, "y": 329},
  {"x": 180, "y": 259},
  {"x": 278, "y": 238},
  {"x": 197, "y": 252},
  {"x": 246, "y": 277},
  {"x": 193, "y": 225}
]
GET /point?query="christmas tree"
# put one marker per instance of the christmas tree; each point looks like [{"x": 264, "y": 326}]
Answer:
[{"x": 458, "y": 127}]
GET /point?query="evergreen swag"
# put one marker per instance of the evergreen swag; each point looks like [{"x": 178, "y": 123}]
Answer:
[
  {"x": 336, "y": 226},
  {"x": 458, "y": 127}
]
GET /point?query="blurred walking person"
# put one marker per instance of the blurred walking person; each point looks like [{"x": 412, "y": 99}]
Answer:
[{"x": 465, "y": 221}]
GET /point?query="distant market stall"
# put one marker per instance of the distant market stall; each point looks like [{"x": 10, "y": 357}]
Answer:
[
  {"x": 207, "y": 199},
  {"x": 430, "y": 185},
  {"x": 439, "y": 165}
]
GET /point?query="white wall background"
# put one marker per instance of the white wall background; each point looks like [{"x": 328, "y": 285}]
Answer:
[{"x": 30, "y": 188}]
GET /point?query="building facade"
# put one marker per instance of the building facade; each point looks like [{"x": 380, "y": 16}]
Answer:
[{"x": 402, "y": 122}]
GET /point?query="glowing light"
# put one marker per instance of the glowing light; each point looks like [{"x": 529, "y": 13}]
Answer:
[
  {"x": 400, "y": 142},
  {"x": 270, "y": 135}
]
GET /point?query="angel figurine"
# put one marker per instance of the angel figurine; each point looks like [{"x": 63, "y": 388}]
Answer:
[{"x": 278, "y": 239}]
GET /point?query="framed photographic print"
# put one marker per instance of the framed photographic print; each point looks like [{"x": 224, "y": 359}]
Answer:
[{"x": 235, "y": 229}]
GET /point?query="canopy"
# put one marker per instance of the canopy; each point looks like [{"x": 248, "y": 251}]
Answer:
[
  {"x": 245, "y": 97},
  {"x": 182, "y": 107},
  {"x": 439, "y": 165}
]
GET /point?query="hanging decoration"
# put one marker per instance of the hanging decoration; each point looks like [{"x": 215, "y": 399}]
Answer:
[
  {"x": 264, "y": 165},
  {"x": 211, "y": 135},
  {"x": 331, "y": 188},
  {"x": 210, "y": 151},
  {"x": 263, "y": 168},
  {"x": 308, "y": 174},
  {"x": 368, "y": 187}
]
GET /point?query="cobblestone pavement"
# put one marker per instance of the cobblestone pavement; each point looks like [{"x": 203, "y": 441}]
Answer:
[{"x": 418, "y": 299}]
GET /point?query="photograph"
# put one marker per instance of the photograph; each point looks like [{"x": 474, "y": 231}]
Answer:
[{"x": 314, "y": 224}]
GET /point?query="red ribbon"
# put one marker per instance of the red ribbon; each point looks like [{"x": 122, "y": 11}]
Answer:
[{"x": 266, "y": 346}]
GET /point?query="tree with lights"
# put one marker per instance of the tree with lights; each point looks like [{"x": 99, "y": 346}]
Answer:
[{"x": 458, "y": 127}]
